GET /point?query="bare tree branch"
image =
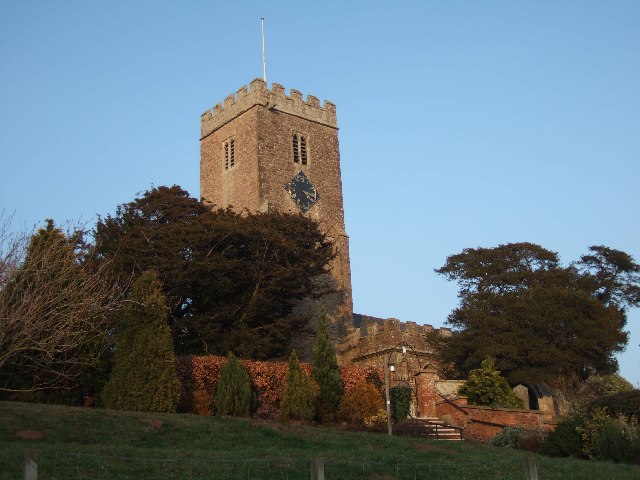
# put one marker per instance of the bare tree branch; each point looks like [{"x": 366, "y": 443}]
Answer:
[{"x": 54, "y": 310}]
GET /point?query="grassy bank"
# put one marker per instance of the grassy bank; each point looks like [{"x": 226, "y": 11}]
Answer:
[{"x": 95, "y": 443}]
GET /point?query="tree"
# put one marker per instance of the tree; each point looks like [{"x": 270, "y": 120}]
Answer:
[
  {"x": 55, "y": 309},
  {"x": 233, "y": 389},
  {"x": 485, "y": 386},
  {"x": 232, "y": 281},
  {"x": 300, "y": 393},
  {"x": 325, "y": 370},
  {"x": 538, "y": 319},
  {"x": 144, "y": 376}
]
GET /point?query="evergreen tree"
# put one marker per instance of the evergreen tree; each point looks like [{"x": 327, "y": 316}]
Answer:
[
  {"x": 485, "y": 386},
  {"x": 539, "y": 319},
  {"x": 325, "y": 370},
  {"x": 300, "y": 393},
  {"x": 233, "y": 390},
  {"x": 144, "y": 376},
  {"x": 236, "y": 277}
]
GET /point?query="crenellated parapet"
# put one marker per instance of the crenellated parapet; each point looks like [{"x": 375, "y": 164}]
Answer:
[
  {"x": 374, "y": 337},
  {"x": 257, "y": 93}
]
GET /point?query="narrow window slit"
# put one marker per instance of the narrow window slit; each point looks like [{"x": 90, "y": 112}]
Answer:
[
  {"x": 303, "y": 150},
  {"x": 295, "y": 148}
]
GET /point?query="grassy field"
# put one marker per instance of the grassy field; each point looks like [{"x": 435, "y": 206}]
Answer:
[{"x": 103, "y": 444}]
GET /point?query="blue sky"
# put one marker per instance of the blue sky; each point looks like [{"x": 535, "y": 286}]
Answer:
[{"x": 462, "y": 124}]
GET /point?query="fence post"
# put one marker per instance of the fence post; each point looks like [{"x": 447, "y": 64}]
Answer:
[
  {"x": 317, "y": 468},
  {"x": 530, "y": 468},
  {"x": 30, "y": 465}
]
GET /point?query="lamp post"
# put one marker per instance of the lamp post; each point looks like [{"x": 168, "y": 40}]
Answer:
[{"x": 390, "y": 367}]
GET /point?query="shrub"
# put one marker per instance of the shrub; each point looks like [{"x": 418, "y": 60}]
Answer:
[
  {"x": 485, "y": 386},
  {"x": 233, "y": 390},
  {"x": 201, "y": 403},
  {"x": 325, "y": 371},
  {"x": 625, "y": 403},
  {"x": 592, "y": 426},
  {"x": 509, "y": 437},
  {"x": 564, "y": 441},
  {"x": 532, "y": 440},
  {"x": 300, "y": 394},
  {"x": 582, "y": 394},
  {"x": 144, "y": 375},
  {"x": 619, "y": 440},
  {"x": 362, "y": 402},
  {"x": 520, "y": 438},
  {"x": 377, "y": 421},
  {"x": 400, "y": 402}
]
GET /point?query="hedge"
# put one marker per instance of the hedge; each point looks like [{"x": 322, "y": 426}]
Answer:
[{"x": 200, "y": 373}]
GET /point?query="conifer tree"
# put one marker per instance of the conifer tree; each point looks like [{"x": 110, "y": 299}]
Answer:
[
  {"x": 325, "y": 370},
  {"x": 144, "y": 376},
  {"x": 300, "y": 393},
  {"x": 233, "y": 390},
  {"x": 485, "y": 386}
]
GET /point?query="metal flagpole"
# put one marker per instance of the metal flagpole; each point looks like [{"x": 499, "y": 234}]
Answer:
[{"x": 264, "y": 60}]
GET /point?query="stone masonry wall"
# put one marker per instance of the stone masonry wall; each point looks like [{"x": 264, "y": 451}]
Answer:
[{"x": 262, "y": 122}]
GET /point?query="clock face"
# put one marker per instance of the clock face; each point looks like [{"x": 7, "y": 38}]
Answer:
[{"x": 302, "y": 191}]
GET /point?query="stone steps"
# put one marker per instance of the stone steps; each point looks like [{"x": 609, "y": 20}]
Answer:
[{"x": 430, "y": 428}]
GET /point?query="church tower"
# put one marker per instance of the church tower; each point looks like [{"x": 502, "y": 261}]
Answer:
[{"x": 262, "y": 150}]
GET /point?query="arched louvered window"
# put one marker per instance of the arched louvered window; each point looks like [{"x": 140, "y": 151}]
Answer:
[
  {"x": 229, "y": 147},
  {"x": 300, "y": 152}
]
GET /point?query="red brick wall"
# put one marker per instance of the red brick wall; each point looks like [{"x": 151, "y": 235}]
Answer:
[{"x": 483, "y": 423}]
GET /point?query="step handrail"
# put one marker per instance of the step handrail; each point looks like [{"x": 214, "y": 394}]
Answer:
[
  {"x": 454, "y": 404},
  {"x": 438, "y": 426}
]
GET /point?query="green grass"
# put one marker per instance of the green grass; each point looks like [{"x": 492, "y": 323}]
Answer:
[{"x": 104, "y": 444}]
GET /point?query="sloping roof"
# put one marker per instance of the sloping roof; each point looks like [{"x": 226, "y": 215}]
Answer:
[{"x": 540, "y": 390}]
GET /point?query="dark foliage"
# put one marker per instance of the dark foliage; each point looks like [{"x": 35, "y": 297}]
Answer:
[
  {"x": 615, "y": 444},
  {"x": 625, "y": 403},
  {"x": 564, "y": 441},
  {"x": 144, "y": 376},
  {"x": 231, "y": 280},
  {"x": 325, "y": 371},
  {"x": 400, "y": 403},
  {"x": 537, "y": 318}
]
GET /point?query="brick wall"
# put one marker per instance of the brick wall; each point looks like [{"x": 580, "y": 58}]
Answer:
[{"x": 483, "y": 423}]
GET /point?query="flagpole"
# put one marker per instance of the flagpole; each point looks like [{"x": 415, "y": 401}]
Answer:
[{"x": 264, "y": 60}]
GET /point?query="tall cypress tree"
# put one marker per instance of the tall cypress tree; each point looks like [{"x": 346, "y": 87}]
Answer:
[
  {"x": 300, "y": 393},
  {"x": 233, "y": 390},
  {"x": 144, "y": 376},
  {"x": 325, "y": 371}
]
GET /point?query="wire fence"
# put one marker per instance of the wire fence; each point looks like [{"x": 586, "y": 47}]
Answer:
[{"x": 57, "y": 465}]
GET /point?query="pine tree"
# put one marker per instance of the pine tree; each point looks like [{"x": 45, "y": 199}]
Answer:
[
  {"x": 325, "y": 371},
  {"x": 144, "y": 376},
  {"x": 300, "y": 393},
  {"x": 233, "y": 390}
]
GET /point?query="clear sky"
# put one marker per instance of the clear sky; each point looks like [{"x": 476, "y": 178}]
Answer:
[{"x": 462, "y": 124}]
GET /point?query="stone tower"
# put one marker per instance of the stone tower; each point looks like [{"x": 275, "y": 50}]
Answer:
[{"x": 262, "y": 150}]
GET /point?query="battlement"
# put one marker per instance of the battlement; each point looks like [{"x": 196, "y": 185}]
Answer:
[
  {"x": 257, "y": 93},
  {"x": 393, "y": 326},
  {"x": 372, "y": 337}
]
